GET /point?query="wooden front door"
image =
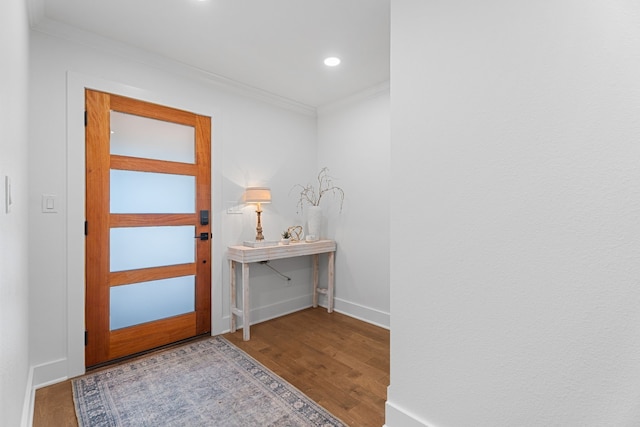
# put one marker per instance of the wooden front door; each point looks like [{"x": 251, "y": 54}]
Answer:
[{"x": 148, "y": 247}]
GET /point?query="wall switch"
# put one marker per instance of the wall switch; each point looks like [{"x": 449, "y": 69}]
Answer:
[
  {"x": 49, "y": 203},
  {"x": 233, "y": 208}
]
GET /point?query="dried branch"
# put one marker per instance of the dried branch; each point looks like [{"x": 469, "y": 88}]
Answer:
[{"x": 309, "y": 195}]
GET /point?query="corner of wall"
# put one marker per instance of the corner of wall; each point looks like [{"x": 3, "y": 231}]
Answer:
[
  {"x": 49, "y": 373},
  {"x": 41, "y": 376},
  {"x": 355, "y": 98},
  {"x": 399, "y": 417},
  {"x": 361, "y": 312},
  {"x": 29, "y": 401}
]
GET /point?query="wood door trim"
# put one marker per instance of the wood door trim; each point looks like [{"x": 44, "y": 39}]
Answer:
[
  {"x": 97, "y": 258},
  {"x": 152, "y": 220},
  {"x": 203, "y": 202},
  {"x": 152, "y": 111},
  {"x": 135, "y": 339},
  {"x": 151, "y": 165},
  {"x": 119, "y": 278}
]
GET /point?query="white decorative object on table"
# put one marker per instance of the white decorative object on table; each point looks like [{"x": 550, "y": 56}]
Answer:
[
  {"x": 260, "y": 243},
  {"x": 312, "y": 196},
  {"x": 314, "y": 222},
  {"x": 286, "y": 237}
]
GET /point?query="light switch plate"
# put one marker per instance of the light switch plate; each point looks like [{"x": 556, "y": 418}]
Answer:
[
  {"x": 233, "y": 208},
  {"x": 49, "y": 203}
]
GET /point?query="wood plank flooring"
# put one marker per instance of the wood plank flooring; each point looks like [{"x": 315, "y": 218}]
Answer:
[{"x": 340, "y": 362}]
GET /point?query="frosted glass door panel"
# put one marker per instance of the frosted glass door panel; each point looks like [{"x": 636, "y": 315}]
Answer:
[
  {"x": 148, "y": 301},
  {"x": 137, "y": 136},
  {"x": 142, "y": 247},
  {"x": 146, "y": 192}
]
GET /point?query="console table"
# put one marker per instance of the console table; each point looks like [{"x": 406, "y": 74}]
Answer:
[{"x": 246, "y": 255}]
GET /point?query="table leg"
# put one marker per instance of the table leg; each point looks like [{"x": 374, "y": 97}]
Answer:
[
  {"x": 234, "y": 301},
  {"x": 316, "y": 268},
  {"x": 331, "y": 273},
  {"x": 246, "y": 306}
]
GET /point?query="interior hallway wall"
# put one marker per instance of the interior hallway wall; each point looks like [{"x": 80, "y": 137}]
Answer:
[
  {"x": 354, "y": 143},
  {"x": 516, "y": 156},
  {"x": 14, "y": 320}
]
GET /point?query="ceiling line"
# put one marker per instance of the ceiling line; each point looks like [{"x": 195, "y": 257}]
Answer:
[{"x": 94, "y": 41}]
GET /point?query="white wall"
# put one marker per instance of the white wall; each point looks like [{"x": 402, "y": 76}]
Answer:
[
  {"x": 515, "y": 297},
  {"x": 353, "y": 142},
  {"x": 254, "y": 143},
  {"x": 14, "y": 339}
]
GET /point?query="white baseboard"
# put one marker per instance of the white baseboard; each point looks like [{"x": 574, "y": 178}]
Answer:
[
  {"x": 399, "y": 417},
  {"x": 357, "y": 311},
  {"x": 41, "y": 376},
  {"x": 49, "y": 373},
  {"x": 29, "y": 401},
  {"x": 366, "y": 314},
  {"x": 267, "y": 312}
]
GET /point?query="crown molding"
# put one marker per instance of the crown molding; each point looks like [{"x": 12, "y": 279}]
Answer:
[
  {"x": 35, "y": 11},
  {"x": 355, "y": 98},
  {"x": 53, "y": 28}
]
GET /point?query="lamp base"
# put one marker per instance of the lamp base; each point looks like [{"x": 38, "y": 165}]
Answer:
[{"x": 259, "y": 235}]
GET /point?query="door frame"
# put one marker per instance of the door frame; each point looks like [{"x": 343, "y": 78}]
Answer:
[{"x": 74, "y": 363}]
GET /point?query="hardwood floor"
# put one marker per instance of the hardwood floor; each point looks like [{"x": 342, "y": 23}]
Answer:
[
  {"x": 340, "y": 362},
  {"x": 54, "y": 406}
]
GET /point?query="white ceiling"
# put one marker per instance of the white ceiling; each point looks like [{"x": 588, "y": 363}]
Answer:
[{"x": 277, "y": 46}]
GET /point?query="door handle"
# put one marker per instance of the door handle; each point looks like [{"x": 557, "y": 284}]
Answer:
[{"x": 202, "y": 236}]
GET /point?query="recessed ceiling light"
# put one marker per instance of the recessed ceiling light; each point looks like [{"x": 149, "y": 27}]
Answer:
[{"x": 332, "y": 61}]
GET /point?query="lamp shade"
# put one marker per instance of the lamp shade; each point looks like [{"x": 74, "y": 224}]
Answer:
[{"x": 257, "y": 195}]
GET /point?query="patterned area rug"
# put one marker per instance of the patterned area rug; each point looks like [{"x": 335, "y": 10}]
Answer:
[{"x": 205, "y": 383}]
